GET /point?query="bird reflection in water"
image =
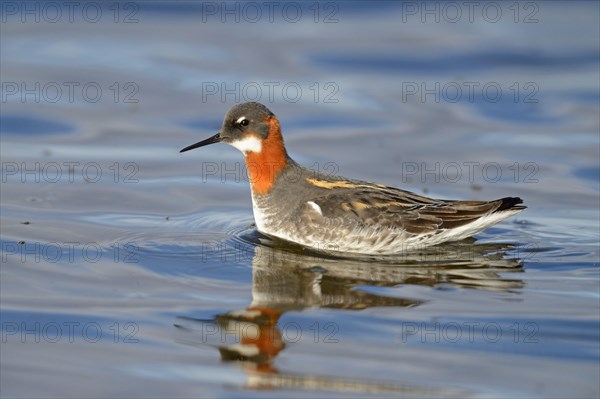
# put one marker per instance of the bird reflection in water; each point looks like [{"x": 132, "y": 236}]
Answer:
[{"x": 287, "y": 278}]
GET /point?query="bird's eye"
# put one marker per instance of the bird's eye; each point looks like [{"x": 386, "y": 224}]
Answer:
[{"x": 244, "y": 122}]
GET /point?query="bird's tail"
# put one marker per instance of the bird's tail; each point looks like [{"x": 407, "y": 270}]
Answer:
[{"x": 510, "y": 204}]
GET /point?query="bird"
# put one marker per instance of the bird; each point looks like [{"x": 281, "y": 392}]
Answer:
[{"x": 338, "y": 215}]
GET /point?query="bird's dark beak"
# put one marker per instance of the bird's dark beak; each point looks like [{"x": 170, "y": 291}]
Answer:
[{"x": 211, "y": 140}]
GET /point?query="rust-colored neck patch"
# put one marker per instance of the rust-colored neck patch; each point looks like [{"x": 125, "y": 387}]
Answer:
[{"x": 264, "y": 166}]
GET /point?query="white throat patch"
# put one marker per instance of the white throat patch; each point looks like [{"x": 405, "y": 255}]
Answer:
[{"x": 248, "y": 144}]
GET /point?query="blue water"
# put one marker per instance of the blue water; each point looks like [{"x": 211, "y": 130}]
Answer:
[{"x": 130, "y": 270}]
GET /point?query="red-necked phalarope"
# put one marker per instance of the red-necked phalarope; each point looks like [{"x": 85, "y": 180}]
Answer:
[{"x": 338, "y": 214}]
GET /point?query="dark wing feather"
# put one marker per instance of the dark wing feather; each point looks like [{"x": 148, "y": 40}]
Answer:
[{"x": 375, "y": 205}]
